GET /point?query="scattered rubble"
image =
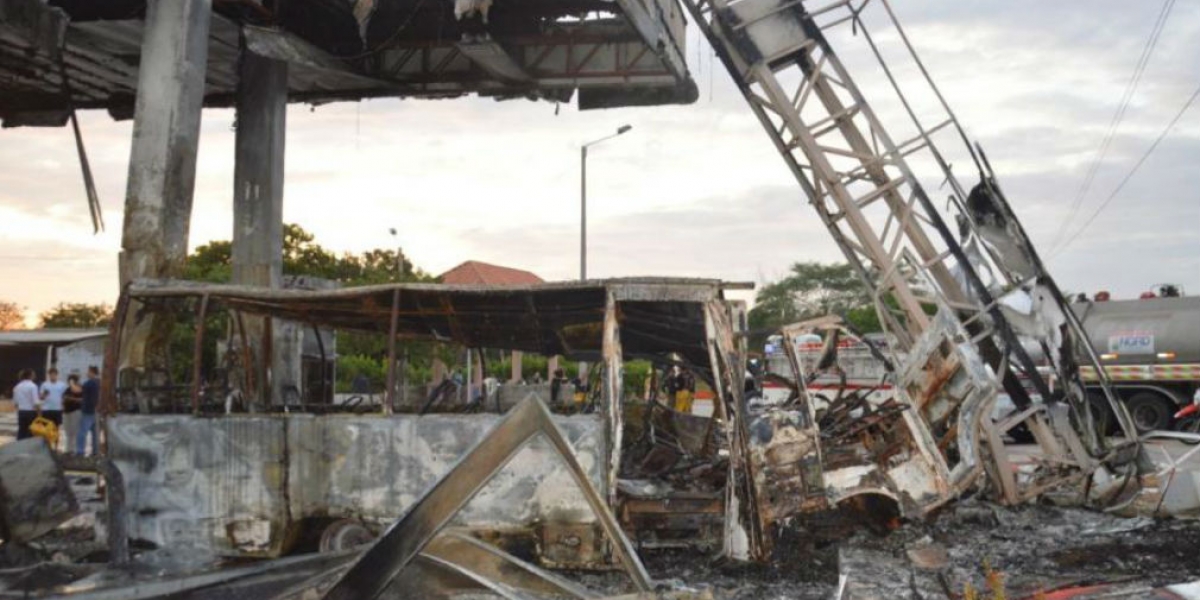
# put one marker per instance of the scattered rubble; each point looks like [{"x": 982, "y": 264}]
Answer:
[
  {"x": 799, "y": 496},
  {"x": 1030, "y": 549},
  {"x": 34, "y": 495},
  {"x": 216, "y": 485}
]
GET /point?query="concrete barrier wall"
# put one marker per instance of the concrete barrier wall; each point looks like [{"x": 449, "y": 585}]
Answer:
[{"x": 236, "y": 485}]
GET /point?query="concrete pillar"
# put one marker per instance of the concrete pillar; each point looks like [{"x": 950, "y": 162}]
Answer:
[
  {"x": 258, "y": 171},
  {"x": 258, "y": 215},
  {"x": 515, "y": 376},
  {"x": 162, "y": 161},
  {"x": 166, "y": 136}
]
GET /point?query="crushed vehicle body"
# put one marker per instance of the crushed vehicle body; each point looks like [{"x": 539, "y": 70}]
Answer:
[
  {"x": 845, "y": 385},
  {"x": 200, "y": 471},
  {"x": 968, "y": 311}
]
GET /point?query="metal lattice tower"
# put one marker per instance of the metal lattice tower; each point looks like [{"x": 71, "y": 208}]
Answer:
[{"x": 863, "y": 186}]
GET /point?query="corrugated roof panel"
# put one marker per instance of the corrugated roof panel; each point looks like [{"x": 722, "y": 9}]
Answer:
[{"x": 50, "y": 336}]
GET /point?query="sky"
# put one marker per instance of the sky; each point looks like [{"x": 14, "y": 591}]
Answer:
[{"x": 695, "y": 190}]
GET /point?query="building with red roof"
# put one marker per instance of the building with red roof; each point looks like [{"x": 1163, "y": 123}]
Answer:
[{"x": 473, "y": 272}]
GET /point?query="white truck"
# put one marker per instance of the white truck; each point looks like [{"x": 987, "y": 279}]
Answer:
[{"x": 1150, "y": 349}]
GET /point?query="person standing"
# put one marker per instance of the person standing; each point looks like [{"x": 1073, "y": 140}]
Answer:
[
  {"x": 87, "y": 413},
  {"x": 52, "y": 391},
  {"x": 556, "y": 384},
  {"x": 686, "y": 393},
  {"x": 25, "y": 396},
  {"x": 72, "y": 402},
  {"x": 672, "y": 383}
]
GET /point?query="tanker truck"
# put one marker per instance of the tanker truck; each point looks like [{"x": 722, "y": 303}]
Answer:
[{"x": 1150, "y": 348}]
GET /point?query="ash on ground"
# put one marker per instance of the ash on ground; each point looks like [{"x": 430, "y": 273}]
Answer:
[{"x": 1025, "y": 551}]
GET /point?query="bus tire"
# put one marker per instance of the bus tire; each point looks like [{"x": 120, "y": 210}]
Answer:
[{"x": 1150, "y": 411}]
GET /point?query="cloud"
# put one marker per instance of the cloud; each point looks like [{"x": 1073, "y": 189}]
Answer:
[{"x": 750, "y": 236}]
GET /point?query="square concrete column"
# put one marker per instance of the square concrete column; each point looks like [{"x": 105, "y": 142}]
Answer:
[
  {"x": 515, "y": 376},
  {"x": 258, "y": 171},
  {"x": 166, "y": 137},
  {"x": 258, "y": 220},
  {"x": 162, "y": 161}
]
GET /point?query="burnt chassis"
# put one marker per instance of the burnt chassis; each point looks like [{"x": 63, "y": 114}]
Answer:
[
  {"x": 781, "y": 463},
  {"x": 269, "y": 461}
]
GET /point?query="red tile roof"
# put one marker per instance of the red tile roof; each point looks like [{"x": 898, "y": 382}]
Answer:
[{"x": 474, "y": 272}]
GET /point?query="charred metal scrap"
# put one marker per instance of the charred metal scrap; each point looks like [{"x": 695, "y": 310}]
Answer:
[
  {"x": 728, "y": 480},
  {"x": 489, "y": 501},
  {"x": 415, "y": 557},
  {"x": 34, "y": 495},
  {"x": 295, "y": 466},
  {"x": 845, "y": 395}
]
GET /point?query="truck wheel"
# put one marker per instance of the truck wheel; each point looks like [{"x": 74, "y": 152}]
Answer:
[
  {"x": 1150, "y": 411},
  {"x": 1101, "y": 413}
]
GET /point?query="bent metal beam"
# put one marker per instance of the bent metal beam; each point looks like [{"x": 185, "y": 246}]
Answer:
[{"x": 408, "y": 537}]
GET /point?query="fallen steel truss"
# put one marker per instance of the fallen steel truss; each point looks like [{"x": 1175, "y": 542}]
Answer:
[{"x": 944, "y": 283}]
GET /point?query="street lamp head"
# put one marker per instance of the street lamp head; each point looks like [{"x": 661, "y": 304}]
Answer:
[{"x": 623, "y": 129}]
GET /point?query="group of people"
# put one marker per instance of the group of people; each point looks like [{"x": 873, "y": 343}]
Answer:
[{"x": 70, "y": 404}]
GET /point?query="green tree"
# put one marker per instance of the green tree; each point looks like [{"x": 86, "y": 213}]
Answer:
[
  {"x": 77, "y": 315},
  {"x": 302, "y": 255},
  {"x": 211, "y": 262},
  {"x": 12, "y": 315},
  {"x": 810, "y": 290}
]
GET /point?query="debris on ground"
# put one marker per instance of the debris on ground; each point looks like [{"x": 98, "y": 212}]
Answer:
[{"x": 34, "y": 495}]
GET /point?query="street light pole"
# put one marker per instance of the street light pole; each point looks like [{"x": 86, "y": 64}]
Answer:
[
  {"x": 583, "y": 212},
  {"x": 583, "y": 154},
  {"x": 404, "y": 357}
]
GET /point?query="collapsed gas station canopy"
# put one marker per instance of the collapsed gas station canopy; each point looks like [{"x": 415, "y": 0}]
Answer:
[{"x": 61, "y": 54}]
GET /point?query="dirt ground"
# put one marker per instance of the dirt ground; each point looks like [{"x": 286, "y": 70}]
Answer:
[
  {"x": 1030, "y": 551},
  {"x": 1026, "y": 552}
]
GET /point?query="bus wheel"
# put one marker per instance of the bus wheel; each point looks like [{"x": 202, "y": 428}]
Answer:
[
  {"x": 344, "y": 534},
  {"x": 1150, "y": 411}
]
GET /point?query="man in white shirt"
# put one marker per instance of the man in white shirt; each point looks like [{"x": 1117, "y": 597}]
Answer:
[
  {"x": 28, "y": 401},
  {"x": 52, "y": 397}
]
